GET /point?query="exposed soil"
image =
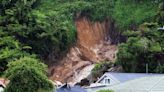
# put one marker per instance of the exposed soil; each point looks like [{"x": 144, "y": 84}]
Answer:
[{"x": 93, "y": 45}]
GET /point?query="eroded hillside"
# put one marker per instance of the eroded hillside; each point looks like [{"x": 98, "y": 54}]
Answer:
[{"x": 93, "y": 45}]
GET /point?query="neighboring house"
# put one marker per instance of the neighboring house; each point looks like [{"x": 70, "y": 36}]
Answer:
[
  {"x": 153, "y": 83},
  {"x": 67, "y": 88},
  {"x": 109, "y": 78}
]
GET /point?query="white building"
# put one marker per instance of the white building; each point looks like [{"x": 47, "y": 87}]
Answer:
[
  {"x": 142, "y": 84},
  {"x": 109, "y": 79}
]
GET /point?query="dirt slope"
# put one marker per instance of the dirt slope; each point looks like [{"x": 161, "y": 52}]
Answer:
[{"x": 93, "y": 45}]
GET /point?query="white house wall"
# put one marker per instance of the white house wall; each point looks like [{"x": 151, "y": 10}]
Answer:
[{"x": 113, "y": 81}]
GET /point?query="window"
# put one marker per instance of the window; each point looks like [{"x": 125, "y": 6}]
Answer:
[{"x": 107, "y": 81}]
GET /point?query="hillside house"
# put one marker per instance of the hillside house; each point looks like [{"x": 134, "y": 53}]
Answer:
[
  {"x": 150, "y": 83},
  {"x": 109, "y": 79}
]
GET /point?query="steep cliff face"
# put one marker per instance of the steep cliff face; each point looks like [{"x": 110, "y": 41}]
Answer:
[
  {"x": 95, "y": 42},
  {"x": 94, "y": 37},
  {"x": 89, "y": 36}
]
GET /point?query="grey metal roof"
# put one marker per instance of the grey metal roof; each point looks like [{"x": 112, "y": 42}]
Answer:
[
  {"x": 123, "y": 77},
  {"x": 143, "y": 84}
]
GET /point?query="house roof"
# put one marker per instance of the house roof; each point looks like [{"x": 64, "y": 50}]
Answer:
[
  {"x": 122, "y": 77},
  {"x": 143, "y": 84}
]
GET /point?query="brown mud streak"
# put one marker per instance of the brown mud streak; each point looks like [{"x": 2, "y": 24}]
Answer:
[{"x": 93, "y": 45}]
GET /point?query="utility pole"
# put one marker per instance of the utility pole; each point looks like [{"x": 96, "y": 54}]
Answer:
[{"x": 147, "y": 68}]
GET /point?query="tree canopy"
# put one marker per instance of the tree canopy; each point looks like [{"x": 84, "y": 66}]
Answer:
[
  {"x": 45, "y": 29},
  {"x": 27, "y": 74},
  {"x": 144, "y": 46}
]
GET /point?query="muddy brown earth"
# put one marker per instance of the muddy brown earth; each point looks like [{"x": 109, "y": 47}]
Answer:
[{"x": 93, "y": 46}]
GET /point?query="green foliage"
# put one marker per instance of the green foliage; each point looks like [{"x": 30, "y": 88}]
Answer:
[
  {"x": 56, "y": 19},
  {"x": 145, "y": 47},
  {"x": 160, "y": 14},
  {"x": 10, "y": 49},
  {"x": 51, "y": 22},
  {"x": 100, "y": 9},
  {"x": 46, "y": 28},
  {"x": 105, "y": 91},
  {"x": 27, "y": 75},
  {"x": 131, "y": 13},
  {"x": 160, "y": 69},
  {"x": 126, "y": 14},
  {"x": 28, "y": 20}
]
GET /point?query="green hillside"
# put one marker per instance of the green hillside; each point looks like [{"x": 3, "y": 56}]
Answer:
[{"x": 37, "y": 29}]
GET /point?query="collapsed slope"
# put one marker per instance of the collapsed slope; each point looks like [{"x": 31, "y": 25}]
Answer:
[{"x": 94, "y": 44}]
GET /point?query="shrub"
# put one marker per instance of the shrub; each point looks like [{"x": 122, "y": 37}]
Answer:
[{"x": 27, "y": 75}]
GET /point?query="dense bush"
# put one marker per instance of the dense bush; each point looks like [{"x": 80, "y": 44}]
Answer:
[
  {"x": 160, "y": 14},
  {"x": 46, "y": 29},
  {"x": 145, "y": 47},
  {"x": 27, "y": 75},
  {"x": 131, "y": 13},
  {"x": 11, "y": 49}
]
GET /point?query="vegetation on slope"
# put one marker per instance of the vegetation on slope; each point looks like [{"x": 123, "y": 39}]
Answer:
[
  {"x": 45, "y": 29},
  {"x": 16, "y": 26},
  {"x": 28, "y": 74},
  {"x": 131, "y": 13},
  {"x": 144, "y": 46}
]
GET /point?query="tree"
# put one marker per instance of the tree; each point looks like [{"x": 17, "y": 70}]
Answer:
[
  {"x": 142, "y": 47},
  {"x": 14, "y": 19},
  {"x": 10, "y": 49},
  {"x": 131, "y": 13},
  {"x": 160, "y": 14},
  {"x": 51, "y": 22},
  {"x": 27, "y": 75}
]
